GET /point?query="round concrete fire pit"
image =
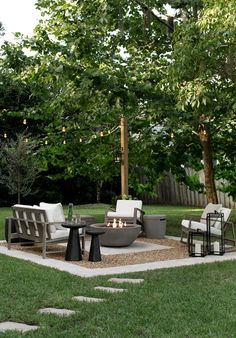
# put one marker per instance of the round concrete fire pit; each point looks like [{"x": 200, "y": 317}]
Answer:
[{"x": 117, "y": 236}]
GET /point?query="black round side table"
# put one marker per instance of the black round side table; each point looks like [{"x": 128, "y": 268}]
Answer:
[
  {"x": 73, "y": 250},
  {"x": 94, "y": 252}
]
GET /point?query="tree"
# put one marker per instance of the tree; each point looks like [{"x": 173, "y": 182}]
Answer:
[
  {"x": 19, "y": 166},
  {"x": 88, "y": 85},
  {"x": 94, "y": 62},
  {"x": 203, "y": 77}
]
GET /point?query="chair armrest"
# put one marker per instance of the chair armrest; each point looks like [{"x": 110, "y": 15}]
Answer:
[
  {"x": 189, "y": 219},
  {"x": 226, "y": 223},
  {"x": 136, "y": 214},
  {"x": 141, "y": 210}
]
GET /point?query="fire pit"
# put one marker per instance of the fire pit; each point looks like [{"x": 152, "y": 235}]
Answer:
[{"x": 120, "y": 235}]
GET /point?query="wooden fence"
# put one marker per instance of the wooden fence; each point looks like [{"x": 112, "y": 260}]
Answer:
[{"x": 173, "y": 193}]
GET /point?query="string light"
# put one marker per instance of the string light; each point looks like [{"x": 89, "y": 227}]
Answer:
[{"x": 85, "y": 139}]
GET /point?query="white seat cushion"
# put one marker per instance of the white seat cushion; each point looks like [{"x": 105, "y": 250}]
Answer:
[
  {"x": 60, "y": 233},
  {"x": 63, "y": 233},
  {"x": 200, "y": 226}
]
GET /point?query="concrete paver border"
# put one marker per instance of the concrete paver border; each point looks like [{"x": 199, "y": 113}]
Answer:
[{"x": 87, "y": 273}]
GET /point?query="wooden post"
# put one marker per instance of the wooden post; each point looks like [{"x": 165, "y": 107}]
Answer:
[{"x": 124, "y": 156}]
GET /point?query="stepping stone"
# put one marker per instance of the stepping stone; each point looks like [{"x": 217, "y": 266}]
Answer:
[
  {"x": 105, "y": 288},
  {"x": 127, "y": 280},
  {"x": 4, "y": 326},
  {"x": 88, "y": 299},
  {"x": 59, "y": 312}
]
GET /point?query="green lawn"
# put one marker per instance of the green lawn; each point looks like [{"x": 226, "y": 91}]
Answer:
[{"x": 197, "y": 301}]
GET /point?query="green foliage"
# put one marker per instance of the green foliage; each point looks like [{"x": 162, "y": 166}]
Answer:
[
  {"x": 19, "y": 166},
  {"x": 203, "y": 77},
  {"x": 90, "y": 63}
]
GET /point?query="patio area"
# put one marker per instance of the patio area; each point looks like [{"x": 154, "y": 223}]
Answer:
[{"x": 144, "y": 254}]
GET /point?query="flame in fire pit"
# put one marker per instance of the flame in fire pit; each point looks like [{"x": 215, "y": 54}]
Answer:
[{"x": 117, "y": 223}]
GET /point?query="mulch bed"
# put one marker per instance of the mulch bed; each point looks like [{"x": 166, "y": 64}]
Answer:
[{"x": 178, "y": 250}]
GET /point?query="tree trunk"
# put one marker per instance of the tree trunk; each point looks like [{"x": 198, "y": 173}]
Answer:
[
  {"x": 195, "y": 11},
  {"x": 210, "y": 186},
  {"x": 99, "y": 187},
  {"x": 18, "y": 197}
]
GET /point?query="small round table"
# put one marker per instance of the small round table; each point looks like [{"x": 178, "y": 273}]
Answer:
[
  {"x": 73, "y": 250},
  {"x": 94, "y": 252}
]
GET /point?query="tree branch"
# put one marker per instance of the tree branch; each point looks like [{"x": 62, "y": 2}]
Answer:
[{"x": 170, "y": 27}]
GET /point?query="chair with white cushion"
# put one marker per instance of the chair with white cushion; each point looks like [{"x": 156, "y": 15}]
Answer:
[
  {"x": 129, "y": 211},
  {"x": 191, "y": 224},
  {"x": 56, "y": 217},
  {"x": 39, "y": 224}
]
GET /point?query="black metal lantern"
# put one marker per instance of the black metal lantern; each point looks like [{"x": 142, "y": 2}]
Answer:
[
  {"x": 197, "y": 243},
  {"x": 215, "y": 233}
]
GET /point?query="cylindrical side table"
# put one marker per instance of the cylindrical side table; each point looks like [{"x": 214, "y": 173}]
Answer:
[
  {"x": 94, "y": 252},
  {"x": 154, "y": 226},
  {"x": 73, "y": 250}
]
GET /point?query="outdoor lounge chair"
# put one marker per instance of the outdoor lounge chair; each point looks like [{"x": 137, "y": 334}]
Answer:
[
  {"x": 39, "y": 224},
  {"x": 193, "y": 224},
  {"x": 129, "y": 211}
]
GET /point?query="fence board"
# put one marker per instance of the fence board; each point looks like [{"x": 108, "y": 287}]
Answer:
[{"x": 173, "y": 193}]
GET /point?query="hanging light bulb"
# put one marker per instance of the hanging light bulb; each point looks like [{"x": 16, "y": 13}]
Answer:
[
  {"x": 5, "y": 135},
  {"x": 26, "y": 140},
  {"x": 63, "y": 129},
  {"x": 101, "y": 134},
  {"x": 24, "y": 121},
  {"x": 64, "y": 142},
  {"x": 46, "y": 142},
  {"x": 80, "y": 140}
]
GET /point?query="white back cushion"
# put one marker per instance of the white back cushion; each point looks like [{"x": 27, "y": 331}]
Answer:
[
  {"x": 54, "y": 211},
  {"x": 210, "y": 208},
  {"x": 22, "y": 206},
  {"x": 226, "y": 212},
  {"x": 127, "y": 206},
  {"x": 50, "y": 217}
]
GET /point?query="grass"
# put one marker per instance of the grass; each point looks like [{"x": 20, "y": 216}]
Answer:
[{"x": 196, "y": 301}]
